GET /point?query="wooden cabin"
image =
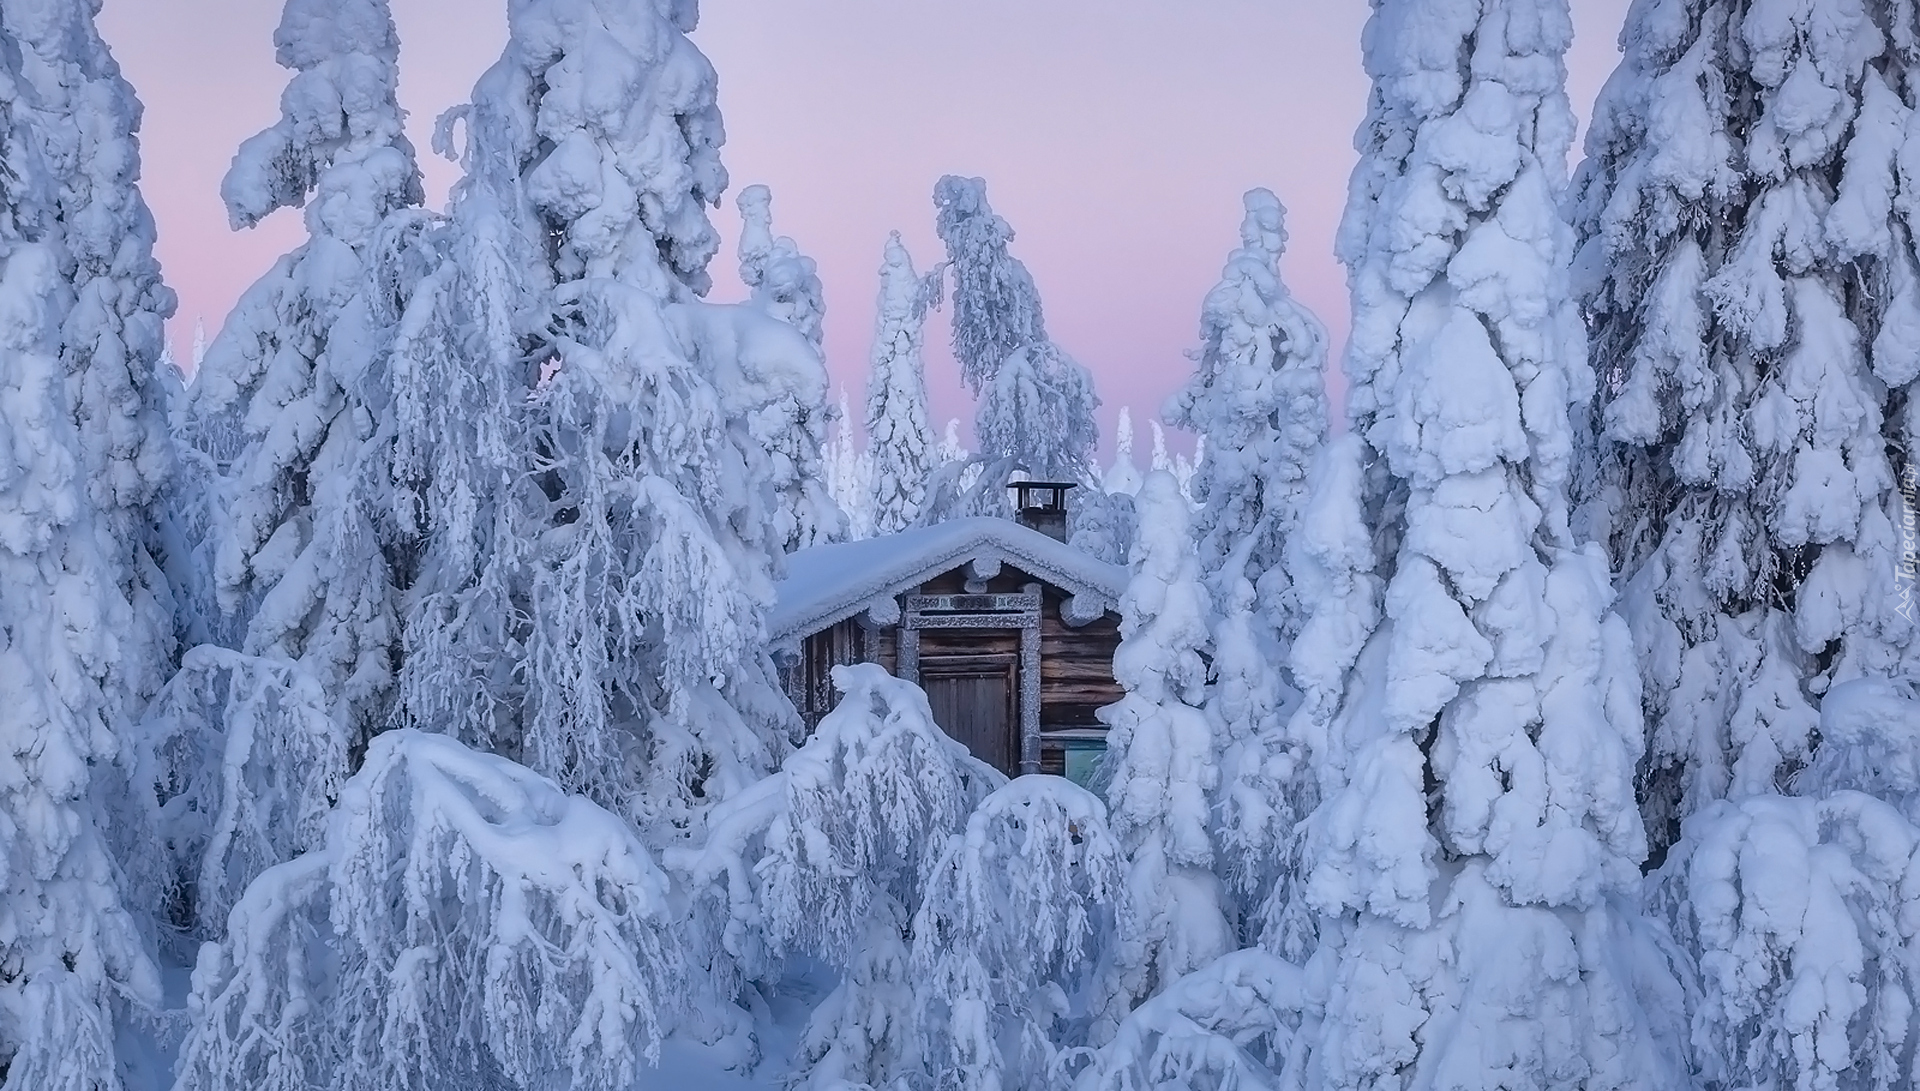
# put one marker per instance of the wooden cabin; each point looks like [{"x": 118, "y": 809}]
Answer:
[{"x": 1010, "y": 631}]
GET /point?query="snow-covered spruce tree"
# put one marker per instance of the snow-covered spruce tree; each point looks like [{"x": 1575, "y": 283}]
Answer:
[
  {"x": 614, "y": 626},
  {"x": 304, "y": 542},
  {"x": 1747, "y": 212},
  {"x": 302, "y": 557},
  {"x": 85, "y": 119},
  {"x": 86, "y": 626},
  {"x": 482, "y": 928},
  {"x": 1800, "y": 909},
  {"x": 1161, "y": 766},
  {"x": 1017, "y": 918},
  {"x": 1258, "y": 396},
  {"x": 785, "y": 286},
  {"x": 1471, "y": 706},
  {"x": 1124, "y": 475},
  {"x": 830, "y": 857},
  {"x": 899, "y": 438},
  {"x": 849, "y": 471},
  {"x": 1036, "y": 404}
]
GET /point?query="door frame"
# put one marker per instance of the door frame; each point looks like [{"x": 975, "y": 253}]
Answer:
[{"x": 1004, "y": 611}]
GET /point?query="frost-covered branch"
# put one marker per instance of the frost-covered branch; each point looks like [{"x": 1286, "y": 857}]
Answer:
[{"x": 869, "y": 798}]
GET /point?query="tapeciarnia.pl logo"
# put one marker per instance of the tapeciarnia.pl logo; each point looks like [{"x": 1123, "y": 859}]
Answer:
[{"x": 1906, "y": 571}]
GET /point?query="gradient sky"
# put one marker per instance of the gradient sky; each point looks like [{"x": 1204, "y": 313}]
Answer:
[{"x": 1116, "y": 137}]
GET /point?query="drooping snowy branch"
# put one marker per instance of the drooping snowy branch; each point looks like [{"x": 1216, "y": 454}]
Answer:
[
  {"x": 1037, "y": 415},
  {"x": 1235, "y": 1022},
  {"x": 847, "y": 835},
  {"x": 233, "y": 771},
  {"x": 1019, "y": 914},
  {"x": 483, "y": 927},
  {"x": 869, "y": 799},
  {"x": 1798, "y": 910}
]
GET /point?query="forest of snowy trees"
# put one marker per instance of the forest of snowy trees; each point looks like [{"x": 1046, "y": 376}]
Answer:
[{"x": 389, "y": 700}]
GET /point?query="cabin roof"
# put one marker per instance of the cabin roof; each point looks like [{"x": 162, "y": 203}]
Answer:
[{"x": 826, "y": 585}]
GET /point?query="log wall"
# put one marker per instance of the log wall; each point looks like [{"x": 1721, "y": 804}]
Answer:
[{"x": 1076, "y": 664}]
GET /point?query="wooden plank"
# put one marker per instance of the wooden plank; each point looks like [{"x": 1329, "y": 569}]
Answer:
[
  {"x": 973, "y": 701},
  {"x": 969, "y": 642}
]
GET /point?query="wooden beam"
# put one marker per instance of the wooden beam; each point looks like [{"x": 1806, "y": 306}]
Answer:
[
  {"x": 1084, "y": 609},
  {"x": 882, "y": 613}
]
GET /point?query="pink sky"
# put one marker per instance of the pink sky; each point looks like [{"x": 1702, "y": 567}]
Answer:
[{"x": 1115, "y": 135}]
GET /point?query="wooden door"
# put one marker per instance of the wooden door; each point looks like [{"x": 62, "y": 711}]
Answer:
[{"x": 975, "y": 700}]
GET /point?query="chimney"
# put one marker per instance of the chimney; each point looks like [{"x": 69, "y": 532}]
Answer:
[{"x": 1042, "y": 506}]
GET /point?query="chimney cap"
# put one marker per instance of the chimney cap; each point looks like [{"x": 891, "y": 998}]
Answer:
[{"x": 1042, "y": 495}]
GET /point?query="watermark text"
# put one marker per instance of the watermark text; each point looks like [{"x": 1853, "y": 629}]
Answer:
[{"x": 1906, "y": 572}]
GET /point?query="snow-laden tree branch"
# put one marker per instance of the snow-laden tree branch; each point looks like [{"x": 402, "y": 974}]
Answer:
[
  {"x": 830, "y": 855},
  {"x": 869, "y": 800},
  {"x": 466, "y": 922},
  {"x": 1019, "y": 914},
  {"x": 1238, "y": 1022},
  {"x": 233, "y": 771},
  {"x": 1799, "y": 910}
]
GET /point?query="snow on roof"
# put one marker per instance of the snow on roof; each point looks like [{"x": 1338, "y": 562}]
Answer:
[{"x": 828, "y": 584}]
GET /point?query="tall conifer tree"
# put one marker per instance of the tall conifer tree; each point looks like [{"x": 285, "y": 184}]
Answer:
[
  {"x": 85, "y": 616},
  {"x": 1470, "y": 701}
]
